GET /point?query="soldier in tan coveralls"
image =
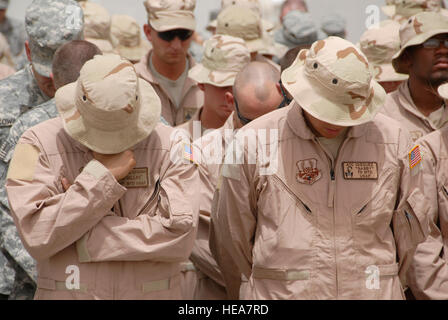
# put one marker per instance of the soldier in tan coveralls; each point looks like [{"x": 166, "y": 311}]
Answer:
[
  {"x": 428, "y": 275},
  {"x": 170, "y": 28},
  {"x": 224, "y": 57},
  {"x": 125, "y": 223},
  {"x": 424, "y": 56},
  {"x": 315, "y": 222}
]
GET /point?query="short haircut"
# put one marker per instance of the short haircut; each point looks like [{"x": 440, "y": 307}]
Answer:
[
  {"x": 290, "y": 56},
  {"x": 259, "y": 75},
  {"x": 69, "y": 59}
]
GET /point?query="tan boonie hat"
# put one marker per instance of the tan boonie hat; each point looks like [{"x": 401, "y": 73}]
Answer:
[
  {"x": 241, "y": 22},
  {"x": 109, "y": 109},
  {"x": 403, "y": 9},
  {"x": 164, "y": 15},
  {"x": 253, "y": 5},
  {"x": 96, "y": 21},
  {"x": 126, "y": 37},
  {"x": 224, "y": 56},
  {"x": 417, "y": 30},
  {"x": 332, "y": 82},
  {"x": 379, "y": 45},
  {"x": 443, "y": 90}
]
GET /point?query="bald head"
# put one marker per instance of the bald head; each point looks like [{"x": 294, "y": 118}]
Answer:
[
  {"x": 256, "y": 89},
  {"x": 69, "y": 59}
]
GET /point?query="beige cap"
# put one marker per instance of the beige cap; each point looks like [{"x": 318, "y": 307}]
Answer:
[
  {"x": 126, "y": 37},
  {"x": 109, "y": 109},
  {"x": 403, "y": 9},
  {"x": 272, "y": 48},
  {"x": 224, "y": 56},
  {"x": 443, "y": 90},
  {"x": 379, "y": 45},
  {"x": 164, "y": 15},
  {"x": 5, "y": 52},
  {"x": 241, "y": 22},
  {"x": 417, "y": 30},
  {"x": 332, "y": 82}
]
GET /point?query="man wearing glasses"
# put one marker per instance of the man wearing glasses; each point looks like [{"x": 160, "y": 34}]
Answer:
[
  {"x": 170, "y": 28},
  {"x": 424, "y": 56}
]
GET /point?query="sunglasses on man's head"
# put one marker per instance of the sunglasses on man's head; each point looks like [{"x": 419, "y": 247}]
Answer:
[
  {"x": 182, "y": 34},
  {"x": 243, "y": 120}
]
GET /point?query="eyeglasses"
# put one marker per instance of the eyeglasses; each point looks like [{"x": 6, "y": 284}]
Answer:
[
  {"x": 243, "y": 120},
  {"x": 182, "y": 34},
  {"x": 286, "y": 101},
  {"x": 434, "y": 43}
]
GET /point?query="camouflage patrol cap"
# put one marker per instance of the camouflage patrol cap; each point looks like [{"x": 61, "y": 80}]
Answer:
[
  {"x": 332, "y": 82},
  {"x": 298, "y": 29},
  {"x": 417, "y": 30},
  {"x": 443, "y": 90},
  {"x": 379, "y": 45},
  {"x": 49, "y": 24},
  {"x": 241, "y": 22},
  {"x": 224, "y": 56},
  {"x": 334, "y": 25},
  {"x": 109, "y": 108},
  {"x": 164, "y": 15},
  {"x": 4, "y": 4},
  {"x": 126, "y": 37}
]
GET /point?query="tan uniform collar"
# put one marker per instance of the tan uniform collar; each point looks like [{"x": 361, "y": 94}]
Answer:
[
  {"x": 299, "y": 126},
  {"x": 148, "y": 76},
  {"x": 406, "y": 101}
]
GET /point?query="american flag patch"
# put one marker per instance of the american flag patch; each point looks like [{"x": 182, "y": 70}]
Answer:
[
  {"x": 188, "y": 152},
  {"x": 414, "y": 157}
]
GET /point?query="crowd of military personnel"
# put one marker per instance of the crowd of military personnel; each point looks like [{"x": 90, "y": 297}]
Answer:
[{"x": 270, "y": 161}]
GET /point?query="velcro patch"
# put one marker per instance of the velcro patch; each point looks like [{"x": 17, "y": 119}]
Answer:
[
  {"x": 137, "y": 178},
  {"x": 360, "y": 170},
  {"x": 24, "y": 162}
]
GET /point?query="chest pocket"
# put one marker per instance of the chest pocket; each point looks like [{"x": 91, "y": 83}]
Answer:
[{"x": 286, "y": 224}]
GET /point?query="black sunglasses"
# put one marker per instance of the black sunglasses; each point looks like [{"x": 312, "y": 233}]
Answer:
[
  {"x": 286, "y": 101},
  {"x": 182, "y": 34},
  {"x": 243, "y": 120}
]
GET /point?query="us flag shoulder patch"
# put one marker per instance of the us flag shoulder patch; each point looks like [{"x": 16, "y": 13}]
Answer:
[{"x": 414, "y": 157}]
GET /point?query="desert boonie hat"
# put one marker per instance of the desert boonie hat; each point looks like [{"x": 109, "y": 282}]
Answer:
[
  {"x": 224, "y": 56},
  {"x": 416, "y": 30},
  {"x": 164, "y": 15},
  {"x": 379, "y": 45},
  {"x": 332, "y": 82},
  {"x": 49, "y": 24},
  {"x": 109, "y": 109},
  {"x": 242, "y": 22},
  {"x": 126, "y": 37}
]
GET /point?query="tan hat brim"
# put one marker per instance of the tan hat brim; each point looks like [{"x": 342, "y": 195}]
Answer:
[
  {"x": 201, "y": 74},
  {"x": 386, "y": 72},
  {"x": 443, "y": 90},
  {"x": 109, "y": 142},
  {"x": 105, "y": 46},
  {"x": 256, "y": 45},
  {"x": 307, "y": 96},
  {"x": 419, "y": 39},
  {"x": 170, "y": 23},
  {"x": 388, "y": 10},
  {"x": 134, "y": 53}
]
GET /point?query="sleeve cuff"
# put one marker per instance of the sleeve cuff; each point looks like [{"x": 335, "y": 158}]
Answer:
[{"x": 95, "y": 169}]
